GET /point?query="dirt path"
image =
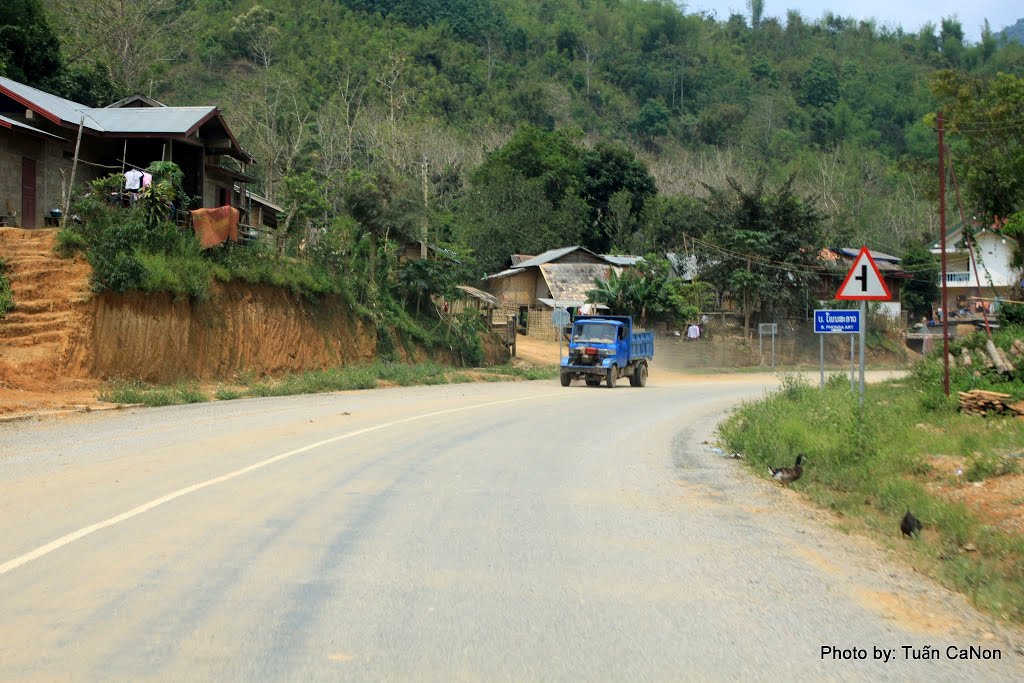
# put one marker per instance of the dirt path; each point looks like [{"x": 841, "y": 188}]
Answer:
[
  {"x": 43, "y": 340},
  {"x": 541, "y": 352}
]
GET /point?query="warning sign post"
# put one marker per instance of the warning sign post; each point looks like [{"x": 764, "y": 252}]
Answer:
[{"x": 863, "y": 283}]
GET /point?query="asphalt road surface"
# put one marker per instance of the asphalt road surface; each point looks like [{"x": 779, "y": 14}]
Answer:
[{"x": 466, "y": 532}]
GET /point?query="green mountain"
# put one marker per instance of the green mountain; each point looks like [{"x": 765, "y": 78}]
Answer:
[
  {"x": 405, "y": 86},
  {"x": 1014, "y": 33}
]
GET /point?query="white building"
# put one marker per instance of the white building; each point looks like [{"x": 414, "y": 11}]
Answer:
[{"x": 990, "y": 267}]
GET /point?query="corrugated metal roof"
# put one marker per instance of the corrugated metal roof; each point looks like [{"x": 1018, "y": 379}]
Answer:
[
  {"x": 123, "y": 121},
  {"x": 11, "y": 123},
  {"x": 257, "y": 199},
  {"x": 174, "y": 120},
  {"x": 622, "y": 260},
  {"x": 840, "y": 259},
  {"x": 504, "y": 273},
  {"x": 136, "y": 100},
  {"x": 684, "y": 265},
  {"x": 547, "y": 257},
  {"x": 876, "y": 255},
  {"x": 65, "y": 110}
]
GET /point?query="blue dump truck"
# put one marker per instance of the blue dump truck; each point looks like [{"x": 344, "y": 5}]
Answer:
[{"x": 603, "y": 348}]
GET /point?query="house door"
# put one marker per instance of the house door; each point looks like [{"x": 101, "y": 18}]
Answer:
[{"x": 28, "y": 193}]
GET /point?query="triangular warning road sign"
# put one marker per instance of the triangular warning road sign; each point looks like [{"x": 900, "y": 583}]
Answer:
[{"x": 864, "y": 282}]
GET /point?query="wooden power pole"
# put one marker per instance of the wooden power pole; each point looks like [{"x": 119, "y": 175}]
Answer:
[
  {"x": 942, "y": 245},
  {"x": 426, "y": 211}
]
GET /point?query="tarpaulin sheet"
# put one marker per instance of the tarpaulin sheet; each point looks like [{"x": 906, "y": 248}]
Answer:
[{"x": 214, "y": 226}]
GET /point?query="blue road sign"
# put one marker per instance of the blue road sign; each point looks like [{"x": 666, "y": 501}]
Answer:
[{"x": 836, "y": 322}]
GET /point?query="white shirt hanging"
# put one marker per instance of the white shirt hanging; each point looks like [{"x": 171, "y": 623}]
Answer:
[{"x": 133, "y": 179}]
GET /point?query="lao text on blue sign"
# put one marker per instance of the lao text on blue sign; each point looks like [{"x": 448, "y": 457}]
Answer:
[{"x": 836, "y": 322}]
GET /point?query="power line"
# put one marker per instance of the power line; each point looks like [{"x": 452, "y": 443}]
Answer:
[{"x": 806, "y": 269}]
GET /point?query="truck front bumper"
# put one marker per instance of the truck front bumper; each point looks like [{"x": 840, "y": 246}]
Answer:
[{"x": 588, "y": 370}]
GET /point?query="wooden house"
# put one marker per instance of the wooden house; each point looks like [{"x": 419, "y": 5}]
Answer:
[
  {"x": 560, "y": 278},
  {"x": 40, "y": 132}
]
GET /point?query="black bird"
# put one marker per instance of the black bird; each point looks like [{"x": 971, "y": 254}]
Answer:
[
  {"x": 910, "y": 525},
  {"x": 787, "y": 475}
]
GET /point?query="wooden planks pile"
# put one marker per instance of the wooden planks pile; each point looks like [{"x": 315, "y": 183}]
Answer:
[{"x": 980, "y": 402}]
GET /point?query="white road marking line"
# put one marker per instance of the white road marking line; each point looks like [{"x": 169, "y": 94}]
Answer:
[{"x": 11, "y": 565}]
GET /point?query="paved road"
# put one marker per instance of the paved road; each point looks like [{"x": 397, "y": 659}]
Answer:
[{"x": 467, "y": 532}]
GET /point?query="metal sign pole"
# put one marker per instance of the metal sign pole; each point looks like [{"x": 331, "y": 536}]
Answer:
[
  {"x": 773, "y": 347},
  {"x": 821, "y": 343},
  {"x": 863, "y": 328},
  {"x": 852, "y": 388}
]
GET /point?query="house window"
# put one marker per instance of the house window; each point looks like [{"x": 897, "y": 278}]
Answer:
[{"x": 222, "y": 196}]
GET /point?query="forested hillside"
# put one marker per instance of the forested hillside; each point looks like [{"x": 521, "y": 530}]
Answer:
[
  {"x": 623, "y": 115},
  {"x": 1015, "y": 32}
]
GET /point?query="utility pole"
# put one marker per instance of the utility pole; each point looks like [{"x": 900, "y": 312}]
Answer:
[
  {"x": 426, "y": 211},
  {"x": 942, "y": 245}
]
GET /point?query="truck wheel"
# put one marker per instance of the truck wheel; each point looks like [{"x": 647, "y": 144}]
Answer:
[
  {"x": 639, "y": 377},
  {"x": 565, "y": 378},
  {"x": 613, "y": 374},
  {"x": 593, "y": 382},
  {"x": 633, "y": 378}
]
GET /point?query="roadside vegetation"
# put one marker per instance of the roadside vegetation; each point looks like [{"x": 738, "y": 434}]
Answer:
[
  {"x": 909, "y": 448},
  {"x": 347, "y": 378},
  {"x": 142, "y": 248},
  {"x": 6, "y": 296}
]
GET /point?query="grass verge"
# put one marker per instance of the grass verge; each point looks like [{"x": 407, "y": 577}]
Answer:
[
  {"x": 334, "y": 379},
  {"x": 871, "y": 464}
]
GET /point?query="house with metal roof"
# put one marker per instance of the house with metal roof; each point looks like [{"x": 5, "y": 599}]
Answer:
[
  {"x": 558, "y": 278},
  {"x": 837, "y": 263},
  {"x": 974, "y": 283},
  {"x": 40, "y": 132}
]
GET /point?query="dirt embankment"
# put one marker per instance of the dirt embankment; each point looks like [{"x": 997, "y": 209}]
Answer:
[
  {"x": 61, "y": 340},
  {"x": 241, "y": 327},
  {"x": 44, "y": 340}
]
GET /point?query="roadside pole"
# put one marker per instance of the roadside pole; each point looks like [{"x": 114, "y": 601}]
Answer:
[
  {"x": 559, "y": 319},
  {"x": 863, "y": 283},
  {"x": 863, "y": 315},
  {"x": 852, "y": 388},
  {"x": 842, "y": 321},
  {"x": 821, "y": 351}
]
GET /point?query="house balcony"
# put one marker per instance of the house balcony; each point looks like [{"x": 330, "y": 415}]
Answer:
[{"x": 958, "y": 279}]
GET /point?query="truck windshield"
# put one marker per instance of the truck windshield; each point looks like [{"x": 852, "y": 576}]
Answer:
[{"x": 599, "y": 333}]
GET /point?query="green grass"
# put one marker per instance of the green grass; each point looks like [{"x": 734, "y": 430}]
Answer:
[
  {"x": 135, "y": 392},
  {"x": 352, "y": 377},
  {"x": 870, "y": 465},
  {"x": 6, "y": 295}
]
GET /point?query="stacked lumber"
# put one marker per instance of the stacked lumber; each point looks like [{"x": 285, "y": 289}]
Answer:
[{"x": 980, "y": 402}]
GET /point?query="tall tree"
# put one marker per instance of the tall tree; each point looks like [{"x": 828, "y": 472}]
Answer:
[
  {"x": 761, "y": 247},
  {"x": 132, "y": 37},
  {"x": 918, "y": 293},
  {"x": 987, "y": 113},
  {"x": 29, "y": 49}
]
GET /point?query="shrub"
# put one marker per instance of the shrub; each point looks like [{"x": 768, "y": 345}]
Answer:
[
  {"x": 6, "y": 295},
  {"x": 70, "y": 242}
]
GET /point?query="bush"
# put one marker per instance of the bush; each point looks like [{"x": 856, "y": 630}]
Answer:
[
  {"x": 70, "y": 242},
  {"x": 6, "y": 295}
]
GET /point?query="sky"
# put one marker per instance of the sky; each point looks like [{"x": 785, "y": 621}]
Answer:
[{"x": 910, "y": 14}]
